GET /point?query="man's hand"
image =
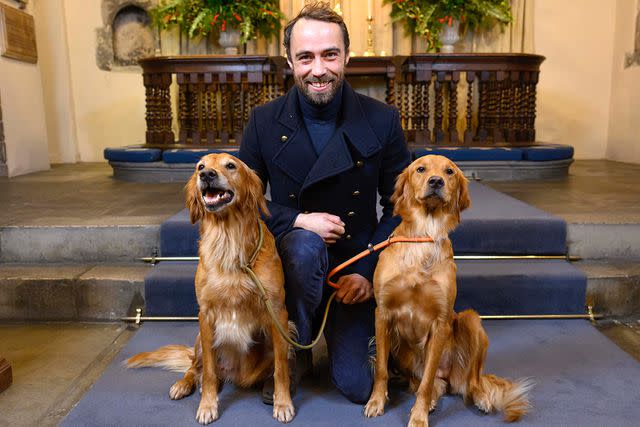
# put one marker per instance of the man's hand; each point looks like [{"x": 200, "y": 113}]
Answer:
[
  {"x": 329, "y": 227},
  {"x": 354, "y": 289}
]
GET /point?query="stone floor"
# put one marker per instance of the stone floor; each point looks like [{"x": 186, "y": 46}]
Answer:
[{"x": 55, "y": 363}]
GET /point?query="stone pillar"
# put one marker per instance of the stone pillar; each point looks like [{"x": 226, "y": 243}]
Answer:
[{"x": 3, "y": 150}]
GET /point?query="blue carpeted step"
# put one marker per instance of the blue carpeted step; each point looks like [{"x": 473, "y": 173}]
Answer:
[
  {"x": 178, "y": 237},
  {"x": 521, "y": 287},
  {"x": 495, "y": 224},
  {"x": 489, "y": 287},
  {"x": 582, "y": 379},
  {"x": 169, "y": 290}
]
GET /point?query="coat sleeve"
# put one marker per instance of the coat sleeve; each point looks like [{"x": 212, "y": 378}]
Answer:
[
  {"x": 281, "y": 217},
  {"x": 396, "y": 157}
]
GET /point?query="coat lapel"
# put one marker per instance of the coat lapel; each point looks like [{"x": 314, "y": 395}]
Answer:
[
  {"x": 353, "y": 128},
  {"x": 297, "y": 156}
]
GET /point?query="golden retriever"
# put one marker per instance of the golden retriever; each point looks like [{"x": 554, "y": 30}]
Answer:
[
  {"x": 238, "y": 340},
  {"x": 415, "y": 290}
]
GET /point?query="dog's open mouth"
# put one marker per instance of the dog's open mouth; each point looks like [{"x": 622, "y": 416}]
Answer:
[{"x": 215, "y": 198}]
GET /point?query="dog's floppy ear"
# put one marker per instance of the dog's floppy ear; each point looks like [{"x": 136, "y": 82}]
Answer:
[
  {"x": 255, "y": 195},
  {"x": 464, "y": 201},
  {"x": 399, "y": 197},
  {"x": 194, "y": 204}
]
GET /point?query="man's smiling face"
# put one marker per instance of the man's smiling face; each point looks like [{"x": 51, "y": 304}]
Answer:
[{"x": 317, "y": 59}]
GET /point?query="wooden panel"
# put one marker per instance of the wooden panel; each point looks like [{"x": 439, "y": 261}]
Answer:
[
  {"x": 17, "y": 35},
  {"x": 5, "y": 374}
]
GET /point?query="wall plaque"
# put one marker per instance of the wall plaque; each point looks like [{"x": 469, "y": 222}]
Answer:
[{"x": 17, "y": 35}]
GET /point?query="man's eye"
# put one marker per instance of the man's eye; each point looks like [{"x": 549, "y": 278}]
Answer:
[{"x": 332, "y": 55}]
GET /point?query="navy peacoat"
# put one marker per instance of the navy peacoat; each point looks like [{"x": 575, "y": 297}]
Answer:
[{"x": 363, "y": 158}]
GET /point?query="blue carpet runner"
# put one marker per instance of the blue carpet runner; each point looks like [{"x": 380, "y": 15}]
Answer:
[
  {"x": 582, "y": 379},
  {"x": 495, "y": 224}
]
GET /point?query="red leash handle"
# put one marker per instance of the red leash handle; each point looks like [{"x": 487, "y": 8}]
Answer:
[{"x": 371, "y": 250}]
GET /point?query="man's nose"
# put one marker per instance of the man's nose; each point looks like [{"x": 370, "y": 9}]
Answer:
[{"x": 319, "y": 69}]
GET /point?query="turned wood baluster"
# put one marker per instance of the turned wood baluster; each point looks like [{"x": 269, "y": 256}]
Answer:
[
  {"x": 438, "y": 129},
  {"x": 510, "y": 107},
  {"x": 184, "y": 115},
  {"x": 453, "y": 107},
  {"x": 483, "y": 106},
  {"x": 531, "y": 122},
  {"x": 225, "y": 126},
  {"x": 236, "y": 113},
  {"x": 498, "y": 104},
  {"x": 418, "y": 112},
  {"x": 468, "y": 133},
  {"x": 196, "y": 111},
  {"x": 208, "y": 110},
  {"x": 521, "y": 102},
  {"x": 158, "y": 108}
]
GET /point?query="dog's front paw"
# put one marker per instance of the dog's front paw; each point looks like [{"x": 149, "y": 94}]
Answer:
[
  {"x": 374, "y": 407},
  {"x": 207, "y": 412},
  {"x": 432, "y": 407},
  {"x": 283, "y": 412},
  {"x": 180, "y": 389},
  {"x": 418, "y": 419}
]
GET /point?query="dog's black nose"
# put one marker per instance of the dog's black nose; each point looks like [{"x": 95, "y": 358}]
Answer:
[
  {"x": 208, "y": 175},
  {"x": 436, "y": 182}
]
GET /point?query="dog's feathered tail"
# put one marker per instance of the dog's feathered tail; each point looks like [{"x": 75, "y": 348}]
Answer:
[
  {"x": 509, "y": 397},
  {"x": 176, "y": 358}
]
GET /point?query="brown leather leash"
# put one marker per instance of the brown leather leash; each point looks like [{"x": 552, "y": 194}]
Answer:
[{"x": 371, "y": 249}]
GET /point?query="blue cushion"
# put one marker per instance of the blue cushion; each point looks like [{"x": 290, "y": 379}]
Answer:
[
  {"x": 458, "y": 154},
  {"x": 132, "y": 154},
  {"x": 191, "y": 155},
  {"x": 544, "y": 153}
]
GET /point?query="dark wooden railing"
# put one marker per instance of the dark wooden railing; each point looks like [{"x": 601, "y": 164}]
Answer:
[{"x": 454, "y": 99}]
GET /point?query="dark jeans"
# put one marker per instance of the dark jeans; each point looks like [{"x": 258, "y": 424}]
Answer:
[{"x": 349, "y": 328}]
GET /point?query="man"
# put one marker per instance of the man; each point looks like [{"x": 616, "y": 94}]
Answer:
[{"x": 326, "y": 151}]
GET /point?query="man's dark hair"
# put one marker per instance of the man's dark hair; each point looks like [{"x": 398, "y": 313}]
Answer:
[{"x": 318, "y": 11}]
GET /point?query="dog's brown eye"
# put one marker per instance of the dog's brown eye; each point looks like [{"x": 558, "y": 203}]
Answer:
[
  {"x": 421, "y": 169},
  {"x": 449, "y": 171},
  {"x": 231, "y": 166},
  {"x": 200, "y": 166}
]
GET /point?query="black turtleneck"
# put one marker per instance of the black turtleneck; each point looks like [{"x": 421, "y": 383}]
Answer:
[{"x": 321, "y": 121}]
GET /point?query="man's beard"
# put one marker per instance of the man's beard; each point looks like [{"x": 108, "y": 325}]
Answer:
[{"x": 319, "y": 98}]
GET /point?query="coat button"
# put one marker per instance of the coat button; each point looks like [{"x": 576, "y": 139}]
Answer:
[
  {"x": 351, "y": 213},
  {"x": 355, "y": 193},
  {"x": 292, "y": 196},
  {"x": 284, "y": 138},
  {"x": 348, "y": 237},
  {"x": 359, "y": 163}
]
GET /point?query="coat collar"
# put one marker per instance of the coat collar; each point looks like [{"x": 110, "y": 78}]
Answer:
[{"x": 298, "y": 159}]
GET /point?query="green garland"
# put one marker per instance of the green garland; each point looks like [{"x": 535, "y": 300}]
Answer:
[
  {"x": 426, "y": 18},
  {"x": 197, "y": 18}
]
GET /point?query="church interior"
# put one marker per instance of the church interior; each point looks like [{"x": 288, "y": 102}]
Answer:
[{"x": 104, "y": 114}]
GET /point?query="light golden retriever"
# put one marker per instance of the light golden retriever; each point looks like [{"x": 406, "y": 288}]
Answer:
[
  {"x": 238, "y": 340},
  {"x": 415, "y": 290}
]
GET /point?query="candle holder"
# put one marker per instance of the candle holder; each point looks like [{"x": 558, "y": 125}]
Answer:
[{"x": 370, "y": 41}]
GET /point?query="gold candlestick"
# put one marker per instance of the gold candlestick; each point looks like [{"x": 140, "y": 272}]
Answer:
[{"x": 370, "y": 42}]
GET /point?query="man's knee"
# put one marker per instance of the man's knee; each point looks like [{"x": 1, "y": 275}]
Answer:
[
  {"x": 303, "y": 250},
  {"x": 355, "y": 388}
]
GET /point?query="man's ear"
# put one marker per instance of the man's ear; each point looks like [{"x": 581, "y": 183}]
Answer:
[{"x": 347, "y": 57}]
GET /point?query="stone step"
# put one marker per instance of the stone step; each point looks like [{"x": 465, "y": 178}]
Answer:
[
  {"x": 71, "y": 291},
  {"x": 77, "y": 244},
  {"x": 613, "y": 287}
]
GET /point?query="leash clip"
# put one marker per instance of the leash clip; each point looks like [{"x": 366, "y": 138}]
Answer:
[{"x": 370, "y": 248}]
